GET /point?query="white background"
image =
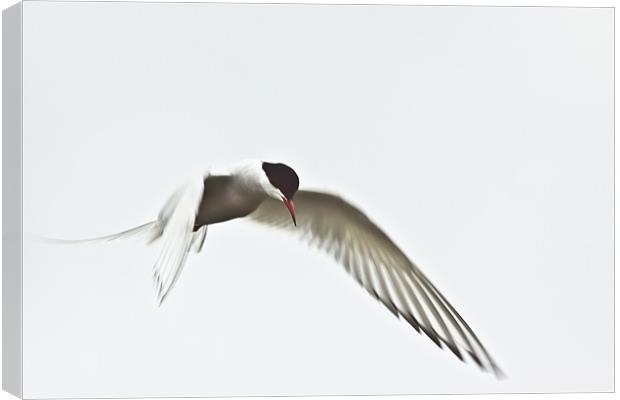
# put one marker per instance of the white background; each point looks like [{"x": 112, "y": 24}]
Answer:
[{"x": 481, "y": 290}]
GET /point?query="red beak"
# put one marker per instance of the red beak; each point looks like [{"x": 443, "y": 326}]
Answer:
[{"x": 291, "y": 208}]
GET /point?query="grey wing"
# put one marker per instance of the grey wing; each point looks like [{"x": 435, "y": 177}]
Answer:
[
  {"x": 375, "y": 261},
  {"x": 177, "y": 218}
]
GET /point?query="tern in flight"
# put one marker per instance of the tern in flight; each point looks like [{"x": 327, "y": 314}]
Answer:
[{"x": 264, "y": 192}]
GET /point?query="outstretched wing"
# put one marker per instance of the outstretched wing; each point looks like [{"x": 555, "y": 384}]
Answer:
[
  {"x": 177, "y": 219},
  {"x": 369, "y": 255}
]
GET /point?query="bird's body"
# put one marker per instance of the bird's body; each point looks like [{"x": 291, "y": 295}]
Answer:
[
  {"x": 224, "y": 198},
  {"x": 258, "y": 190}
]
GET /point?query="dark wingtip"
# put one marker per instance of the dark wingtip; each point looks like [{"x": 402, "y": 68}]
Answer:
[
  {"x": 388, "y": 304},
  {"x": 432, "y": 335},
  {"x": 497, "y": 371},
  {"x": 476, "y": 359},
  {"x": 455, "y": 350},
  {"x": 412, "y": 321}
]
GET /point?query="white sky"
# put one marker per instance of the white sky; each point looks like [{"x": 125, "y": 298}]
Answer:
[{"x": 480, "y": 139}]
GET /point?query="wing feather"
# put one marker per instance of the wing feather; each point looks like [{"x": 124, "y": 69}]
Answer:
[
  {"x": 331, "y": 224},
  {"x": 198, "y": 239},
  {"x": 177, "y": 218}
]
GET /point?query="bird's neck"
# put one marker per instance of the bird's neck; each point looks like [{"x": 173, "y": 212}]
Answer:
[{"x": 247, "y": 179}]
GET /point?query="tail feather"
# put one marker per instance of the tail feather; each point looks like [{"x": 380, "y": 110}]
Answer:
[{"x": 149, "y": 232}]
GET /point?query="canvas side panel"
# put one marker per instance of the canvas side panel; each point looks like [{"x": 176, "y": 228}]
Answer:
[{"x": 12, "y": 200}]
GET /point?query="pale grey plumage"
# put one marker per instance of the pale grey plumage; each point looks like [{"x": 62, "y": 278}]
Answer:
[{"x": 371, "y": 257}]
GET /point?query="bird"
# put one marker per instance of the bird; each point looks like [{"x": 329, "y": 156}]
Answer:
[{"x": 268, "y": 193}]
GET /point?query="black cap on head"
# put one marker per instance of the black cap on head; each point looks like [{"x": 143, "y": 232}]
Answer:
[{"x": 283, "y": 177}]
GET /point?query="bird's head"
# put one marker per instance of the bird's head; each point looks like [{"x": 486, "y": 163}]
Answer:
[{"x": 283, "y": 184}]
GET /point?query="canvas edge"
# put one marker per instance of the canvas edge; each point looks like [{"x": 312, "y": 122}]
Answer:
[{"x": 12, "y": 237}]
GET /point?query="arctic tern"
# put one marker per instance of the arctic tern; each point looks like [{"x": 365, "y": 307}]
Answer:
[{"x": 264, "y": 192}]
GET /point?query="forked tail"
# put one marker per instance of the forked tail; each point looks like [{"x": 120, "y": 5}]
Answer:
[{"x": 148, "y": 232}]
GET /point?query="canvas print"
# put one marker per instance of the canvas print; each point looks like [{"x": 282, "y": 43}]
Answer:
[{"x": 271, "y": 199}]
